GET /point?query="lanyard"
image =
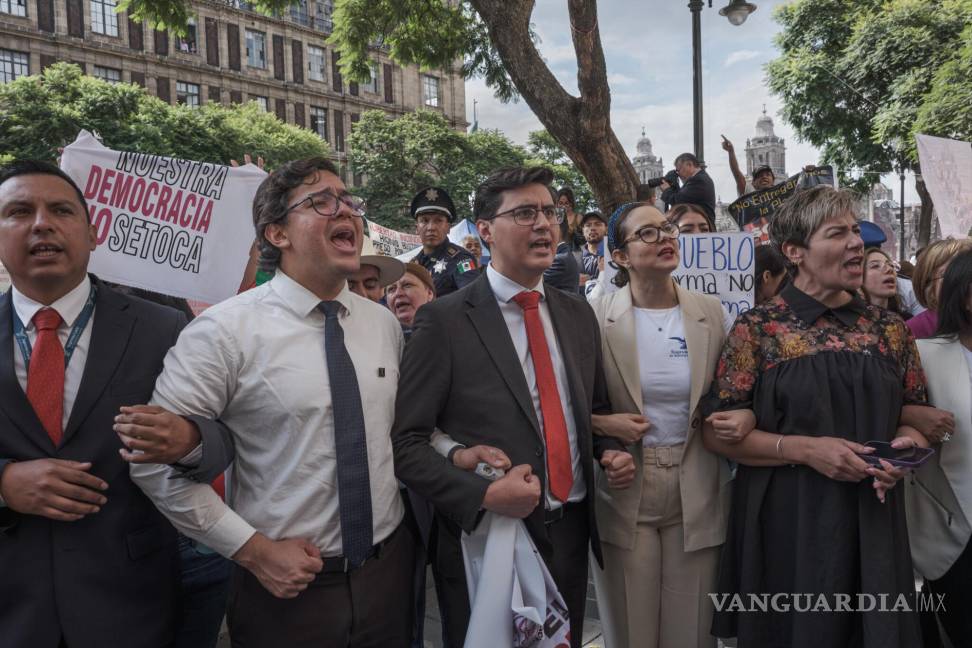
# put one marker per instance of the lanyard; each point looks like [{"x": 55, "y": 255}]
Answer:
[{"x": 20, "y": 334}]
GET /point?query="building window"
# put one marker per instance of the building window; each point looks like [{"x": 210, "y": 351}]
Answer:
[
  {"x": 263, "y": 102},
  {"x": 111, "y": 75},
  {"x": 187, "y": 94},
  {"x": 373, "y": 85},
  {"x": 322, "y": 18},
  {"x": 256, "y": 49},
  {"x": 188, "y": 44},
  {"x": 104, "y": 20},
  {"x": 318, "y": 121},
  {"x": 298, "y": 13},
  {"x": 430, "y": 91},
  {"x": 315, "y": 63},
  {"x": 13, "y": 65},
  {"x": 14, "y": 7}
]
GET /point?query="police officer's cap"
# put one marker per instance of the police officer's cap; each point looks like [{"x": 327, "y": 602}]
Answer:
[{"x": 433, "y": 199}]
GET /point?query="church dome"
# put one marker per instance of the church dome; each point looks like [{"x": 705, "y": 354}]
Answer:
[
  {"x": 644, "y": 144},
  {"x": 764, "y": 126}
]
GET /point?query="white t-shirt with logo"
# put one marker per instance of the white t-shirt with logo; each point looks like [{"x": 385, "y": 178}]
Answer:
[{"x": 666, "y": 383}]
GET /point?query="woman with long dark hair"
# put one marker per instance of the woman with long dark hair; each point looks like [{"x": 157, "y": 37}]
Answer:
[{"x": 939, "y": 494}]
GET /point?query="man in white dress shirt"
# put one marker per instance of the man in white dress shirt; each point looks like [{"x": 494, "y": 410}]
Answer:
[{"x": 304, "y": 373}]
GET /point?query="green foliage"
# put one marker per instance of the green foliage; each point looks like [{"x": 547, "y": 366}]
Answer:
[
  {"x": 947, "y": 109},
  {"x": 40, "y": 113},
  {"x": 404, "y": 155},
  {"x": 428, "y": 33},
  {"x": 546, "y": 151},
  {"x": 854, "y": 77}
]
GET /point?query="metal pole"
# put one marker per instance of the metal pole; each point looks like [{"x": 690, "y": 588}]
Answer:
[
  {"x": 695, "y": 6},
  {"x": 901, "y": 254}
]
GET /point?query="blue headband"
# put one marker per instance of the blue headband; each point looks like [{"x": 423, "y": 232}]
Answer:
[{"x": 611, "y": 223}]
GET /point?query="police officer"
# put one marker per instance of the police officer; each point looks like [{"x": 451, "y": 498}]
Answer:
[{"x": 451, "y": 266}]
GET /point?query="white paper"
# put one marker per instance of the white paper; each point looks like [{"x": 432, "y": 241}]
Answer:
[{"x": 946, "y": 167}]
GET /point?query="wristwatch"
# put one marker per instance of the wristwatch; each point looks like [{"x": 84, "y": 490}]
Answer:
[{"x": 452, "y": 452}]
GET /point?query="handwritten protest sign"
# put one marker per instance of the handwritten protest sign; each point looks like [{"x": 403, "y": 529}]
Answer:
[
  {"x": 946, "y": 166},
  {"x": 721, "y": 264},
  {"x": 754, "y": 211},
  {"x": 173, "y": 226},
  {"x": 390, "y": 242}
]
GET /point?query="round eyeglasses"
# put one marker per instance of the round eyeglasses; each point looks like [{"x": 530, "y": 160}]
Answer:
[
  {"x": 651, "y": 234},
  {"x": 326, "y": 203}
]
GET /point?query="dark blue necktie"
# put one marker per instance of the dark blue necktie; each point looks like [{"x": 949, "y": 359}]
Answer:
[{"x": 354, "y": 490}]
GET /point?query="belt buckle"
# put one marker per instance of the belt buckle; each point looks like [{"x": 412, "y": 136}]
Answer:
[{"x": 663, "y": 456}]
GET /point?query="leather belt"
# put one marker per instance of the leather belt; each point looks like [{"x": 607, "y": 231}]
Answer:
[
  {"x": 556, "y": 515},
  {"x": 341, "y": 565}
]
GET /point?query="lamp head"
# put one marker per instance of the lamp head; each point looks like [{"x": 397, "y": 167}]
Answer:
[{"x": 737, "y": 11}]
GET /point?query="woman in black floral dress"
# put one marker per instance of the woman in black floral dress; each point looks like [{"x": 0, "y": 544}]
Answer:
[{"x": 811, "y": 522}]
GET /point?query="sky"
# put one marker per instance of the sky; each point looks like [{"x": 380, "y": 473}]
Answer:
[{"x": 648, "y": 48}]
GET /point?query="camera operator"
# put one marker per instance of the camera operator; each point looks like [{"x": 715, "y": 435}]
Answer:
[{"x": 697, "y": 187}]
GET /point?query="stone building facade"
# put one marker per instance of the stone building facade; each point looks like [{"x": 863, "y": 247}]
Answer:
[
  {"x": 231, "y": 54},
  {"x": 766, "y": 147}
]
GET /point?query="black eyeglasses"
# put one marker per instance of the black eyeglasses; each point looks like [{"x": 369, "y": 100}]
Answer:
[
  {"x": 327, "y": 204},
  {"x": 651, "y": 234},
  {"x": 527, "y": 216}
]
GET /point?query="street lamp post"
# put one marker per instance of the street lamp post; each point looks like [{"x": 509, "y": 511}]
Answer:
[
  {"x": 901, "y": 220},
  {"x": 736, "y": 11}
]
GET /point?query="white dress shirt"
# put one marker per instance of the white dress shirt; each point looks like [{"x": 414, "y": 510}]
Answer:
[
  {"x": 69, "y": 307},
  {"x": 505, "y": 290},
  {"x": 256, "y": 361}
]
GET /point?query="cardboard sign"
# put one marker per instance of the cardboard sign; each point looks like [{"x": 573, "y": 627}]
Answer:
[
  {"x": 946, "y": 166},
  {"x": 176, "y": 227},
  {"x": 721, "y": 264}
]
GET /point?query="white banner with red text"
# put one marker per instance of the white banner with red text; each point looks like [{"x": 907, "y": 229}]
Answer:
[{"x": 176, "y": 227}]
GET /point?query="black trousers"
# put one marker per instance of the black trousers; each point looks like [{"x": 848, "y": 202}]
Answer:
[
  {"x": 570, "y": 537},
  {"x": 370, "y": 607},
  {"x": 956, "y": 586}
]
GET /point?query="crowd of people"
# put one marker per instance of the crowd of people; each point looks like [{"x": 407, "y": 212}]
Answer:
[{"x": 296, "y": 456}]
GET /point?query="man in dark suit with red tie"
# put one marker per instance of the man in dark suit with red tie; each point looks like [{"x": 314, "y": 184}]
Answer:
[
  {"x": 510, "y": 363},
  {"x": 86, "y": 560}
]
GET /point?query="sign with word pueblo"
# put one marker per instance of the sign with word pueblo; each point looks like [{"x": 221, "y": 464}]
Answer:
[
  {"x": 721, "y": 264},
  {"x": 176, "y": 227}
]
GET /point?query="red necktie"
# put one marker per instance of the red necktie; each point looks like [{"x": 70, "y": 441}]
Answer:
[
  {"x": 45, "y": 376},
  {"x": 559, "y": 471}
]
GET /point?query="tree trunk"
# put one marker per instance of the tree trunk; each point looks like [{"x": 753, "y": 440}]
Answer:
[
  {"x": 582, "y": 125},
  {"x": 925, "y": 215}
]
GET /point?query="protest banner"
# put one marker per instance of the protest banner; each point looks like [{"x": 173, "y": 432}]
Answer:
[
  {"x": 391, "y": 243},
  {"x": 721, "y": 264},
  {"x": 754, "y": 211},
  {"x": 946, "y": 167},
  {"x": 176, "y": 227}
]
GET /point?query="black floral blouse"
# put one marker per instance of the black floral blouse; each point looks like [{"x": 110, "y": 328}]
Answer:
[{"x": 808, "y": 369}]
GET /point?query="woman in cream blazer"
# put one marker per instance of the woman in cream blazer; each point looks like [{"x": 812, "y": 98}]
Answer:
[
  {"x": 661, "y": 536},
  {"x": 938, "y": 497}
]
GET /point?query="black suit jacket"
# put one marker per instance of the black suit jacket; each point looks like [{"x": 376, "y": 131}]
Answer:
[
  {"x": 697, "y": 190},
  {"x": 460, "y": 373},
  {"x": 111, "y": 578}
]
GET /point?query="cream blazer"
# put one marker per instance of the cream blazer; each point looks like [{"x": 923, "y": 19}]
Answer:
[
  {"x": 705, "y": 477},
  {"x": 938, "y": 498}
]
